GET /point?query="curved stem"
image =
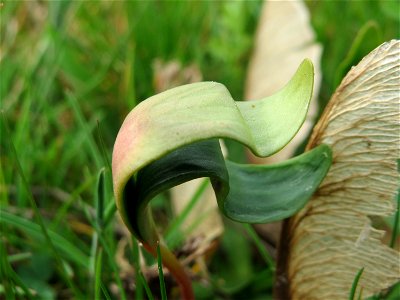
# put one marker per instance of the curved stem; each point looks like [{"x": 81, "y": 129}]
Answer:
[{"x": 174, "y": 266}]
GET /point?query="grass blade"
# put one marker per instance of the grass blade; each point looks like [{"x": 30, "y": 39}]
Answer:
[
  {"x": 113, "y": 265},
  {"x": 85, "y": 128},
  {"x": 136, "y": 265},
  {"x": 100, "y": 199},
  {"x": 260, "y": 247},
  {"x": 146, "y": 286},
  {"x": 103, "y": 147},
  {"x": 161, "y": 274},
  {"x": 140, "y": 280},
  {"x": 105, "y": 292},
  {"x": 396, "y": 223},
  {"x": 5, "y": 270},
  {"x": 18, "y": 257},
  {"x": 98, "y": 269},
  {"x": 109, "y": 213},
  {"x": 355, "y": 284}
]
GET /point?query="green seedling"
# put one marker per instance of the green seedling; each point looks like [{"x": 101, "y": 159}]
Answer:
[{"x": 172, "y": 138}]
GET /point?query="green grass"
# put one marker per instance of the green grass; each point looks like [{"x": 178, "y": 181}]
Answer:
[
  {"x": 70, "y": 71},
  {"x": 354, "y": 286},
  {"x": 161, "y": 274}
]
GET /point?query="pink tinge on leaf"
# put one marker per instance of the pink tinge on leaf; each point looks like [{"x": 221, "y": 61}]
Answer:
[{"x": 127, "y": 140}]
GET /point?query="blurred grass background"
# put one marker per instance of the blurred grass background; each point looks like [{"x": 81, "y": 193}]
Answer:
[{"x": 70, "y": 71}]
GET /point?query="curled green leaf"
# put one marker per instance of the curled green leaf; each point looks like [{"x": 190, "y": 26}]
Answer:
[
  {"x": 172, "y": 138},
  {"x": 163, "y": 143}
]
